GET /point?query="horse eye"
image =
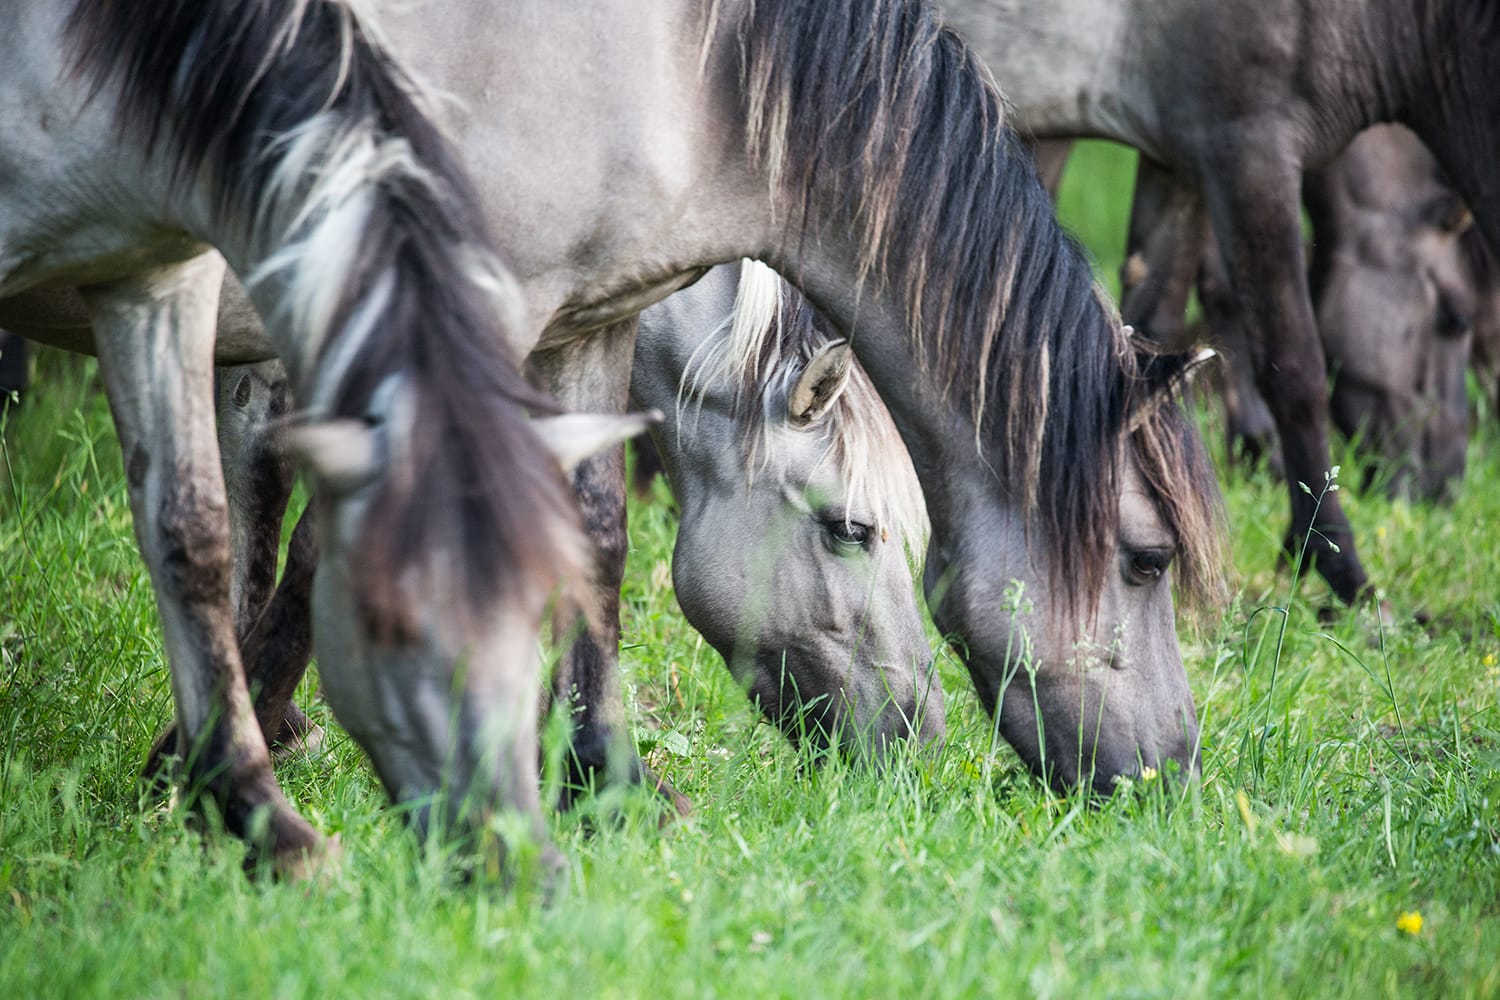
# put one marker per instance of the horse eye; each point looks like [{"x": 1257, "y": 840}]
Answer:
[
  {"x": 1148, "y": 564},
  {"x": 849, "y": 532}
]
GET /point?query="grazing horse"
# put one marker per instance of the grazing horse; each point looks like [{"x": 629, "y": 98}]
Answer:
[
  {"x": 799, "y": 506},
  {"x": 858, "y": 148},
  {"x": 1229, "y": 102},
  {"x": 280, "y": 133},
  {"x": 1396, "y": 300}
]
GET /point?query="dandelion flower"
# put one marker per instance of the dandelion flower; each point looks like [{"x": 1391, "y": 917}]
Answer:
[
  {"x": 1489, "y": 660},
  {"x": 1410, "y": 922}
]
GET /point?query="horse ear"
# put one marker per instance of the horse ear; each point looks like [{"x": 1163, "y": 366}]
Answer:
[
  {"x": 1162, "y": 376},
  {"x": 573, "y": 437},
  {"x": 343, "y": 455},
  {"x": 821, "y": 382},
  {"x": 347, "y": 454}
]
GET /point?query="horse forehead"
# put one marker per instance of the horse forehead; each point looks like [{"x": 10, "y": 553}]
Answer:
[
  {"x": 802, "y": 458},
  {"x": 1141, "y": 522}
]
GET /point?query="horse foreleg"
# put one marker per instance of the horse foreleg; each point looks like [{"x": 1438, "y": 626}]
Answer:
[
  {"x": 155, "y": 336},
  {"x": 1249, "y": 428},
  {"x": 593, "y": 373},
  {"x": 273, "y": 623},
  {"x": 1254, "y": 207},
  {"x": 1167, "y": 227}
]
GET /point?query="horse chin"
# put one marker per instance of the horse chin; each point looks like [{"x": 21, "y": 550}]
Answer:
[
  {"x": 862, "y": 726},
  {"x": 1082, "y": 744}
]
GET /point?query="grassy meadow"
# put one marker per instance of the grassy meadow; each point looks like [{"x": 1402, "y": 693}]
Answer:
[{"x": 1344, "y": 841}]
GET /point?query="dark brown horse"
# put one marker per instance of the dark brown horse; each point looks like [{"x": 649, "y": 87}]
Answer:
[
  {"x": 1229, "y": 101},
  {"x": 1396, "y": 300}
]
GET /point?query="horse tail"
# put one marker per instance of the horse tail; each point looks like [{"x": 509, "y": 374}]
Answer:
[{"x": 358, "y": 224}]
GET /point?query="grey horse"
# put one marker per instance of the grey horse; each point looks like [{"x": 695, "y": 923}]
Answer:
[
  {"x": 135, "y": 138},
  {"x": 799, "y": 512},
  {"x": 799, "y": 509}
]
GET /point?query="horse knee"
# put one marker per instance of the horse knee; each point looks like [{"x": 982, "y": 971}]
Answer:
[
  {"x": 191, "y": 540},
  {"x": 1296, "y": 392}
]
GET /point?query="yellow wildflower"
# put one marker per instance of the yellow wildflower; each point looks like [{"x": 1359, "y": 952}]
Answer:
[
  {"x": 1148, "y": 774},
  {"x": 1489, "y": 660},
  {"x": 1410, "y": 922},
  {"x": 1380, "y": 531}
]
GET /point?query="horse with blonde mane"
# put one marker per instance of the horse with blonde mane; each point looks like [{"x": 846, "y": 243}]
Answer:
[
  {"x": 799, "y": 513},
  {"x": 799, "y": 510}
]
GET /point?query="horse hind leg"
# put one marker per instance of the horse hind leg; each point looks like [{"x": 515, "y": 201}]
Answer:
[
  {"x": 155, "y": 335},
  {"x": 272, "y": 621},
  {"x": 1167, "y": 230},
  {"x": 278, "y": 647}
]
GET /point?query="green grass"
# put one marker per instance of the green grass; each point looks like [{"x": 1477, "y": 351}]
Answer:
[{"x": 1354, "y": 778}]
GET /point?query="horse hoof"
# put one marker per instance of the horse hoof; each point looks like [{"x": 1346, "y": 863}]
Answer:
[
  {"x": 316, "y": 863},
  {"x": 307, "y": 743}
]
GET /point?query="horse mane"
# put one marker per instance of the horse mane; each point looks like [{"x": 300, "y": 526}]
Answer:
[
  {"x": 872, "y": 108},
  {"x": 758, "y": 352},
  {"x": 313, "y": 146}
]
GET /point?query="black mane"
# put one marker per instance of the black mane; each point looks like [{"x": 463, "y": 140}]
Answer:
[{"x": 876, "y": 104}]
